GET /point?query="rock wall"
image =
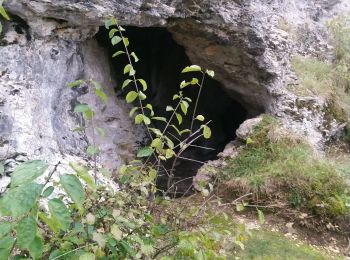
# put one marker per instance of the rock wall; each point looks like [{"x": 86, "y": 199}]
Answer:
[{"x": 248, "y": 43}]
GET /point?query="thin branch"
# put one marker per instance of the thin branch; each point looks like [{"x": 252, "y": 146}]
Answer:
[
  {"x": 51, "y": 173},
  {"x": 197, "y": 101}
]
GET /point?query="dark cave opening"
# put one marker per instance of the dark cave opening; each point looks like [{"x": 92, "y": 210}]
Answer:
[{"x": 161, "y": 63}]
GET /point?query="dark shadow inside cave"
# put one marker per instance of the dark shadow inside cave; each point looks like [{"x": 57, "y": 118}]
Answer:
[{"x": 161, "y": 62}]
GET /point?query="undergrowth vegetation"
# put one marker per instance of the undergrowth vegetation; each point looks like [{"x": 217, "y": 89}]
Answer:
[
  {"x": 330, "y": 80},
  {"x": 283, "y": 172}
]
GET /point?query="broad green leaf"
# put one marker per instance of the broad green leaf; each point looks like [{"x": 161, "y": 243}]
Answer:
[
  {"x": 131, "y": 96},
  {"x": 133, "y": 54},
  {"x": 117, "y": 53},
  {"x": 156, "y": 131},
  {"x": 75, "y": 83},
  {"x": 60, "y": 214},
  {"x": 92, "y": 150},
  {"x": 48, "y": 221},
  {"x": 169, "y": 108},
  {"x": 6, "y": 245},
  {"x": 36, "y": 248},
  {"x": 110, "y": 22},
  {"x": 5, "y": 228},
  {"x": 126, "y": 83},
  {"x": 145, "y": 152},
  {"x": 116, "y": 232},
  {"x": 158, "y": 118},
  {"x": 206, "y": 132},
  {"x": 18, "y": 201},
  {"x": 142, "y": 95},
  {"x": 127, "y": 68},
  {"x": 192, "y": 68},
  {"x": 3, "y": 13},
  {"x": 133, "y": 110},
  {"x": 99, "y": 238},
  {"x": 101, "y": 95},
  {"x": 169, "y": 142},
  {"x": 116, "y": 39},
  {"x": 146, "y": 120},
  {"x": 81, "y": 108},
  {"x": 200, "y": 118},
  {"x": 211, "y": 73},
  {"x": 194, "y": 81},
  {"x": 184, "y": 84},
  {"x": 176, "y": 96},
  {"x": 112, "y": 32},
  {"x": 83, "y": 173},
  {"x": 48, "y": 191},
  {"x": 185, "y": 131},
  {"x": 143, "y": 83},
  {"x": 74, "y": 188},
  {"x": 126, "y": 41},
  {"x": 179, "y": 118},
  {"x": 27, "y": 172},
  {"x": 169, "y": 153},
  {"x": 138, "y": 119},
  {"x": 157, "y": 143},
  {"x": 26, "y": 232},
  {"x": 184, "y": 106},
  {"x": 87, "y": 256}
]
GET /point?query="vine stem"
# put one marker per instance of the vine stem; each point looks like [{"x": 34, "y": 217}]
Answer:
[{"x": 197, "y": 100}]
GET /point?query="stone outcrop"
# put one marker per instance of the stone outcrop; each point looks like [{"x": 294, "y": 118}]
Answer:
[{"x": 248, "y": 43}]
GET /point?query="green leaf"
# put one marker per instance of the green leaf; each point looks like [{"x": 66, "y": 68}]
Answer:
[
  {"x": 169, "y": 142},
  {"x": 169, "y": 153},
  {"x": 142, "y": 95},
  {"x": 87, "y": 256},
  {"x": 79, "y": 129},
  {"x": 158, "y": 118},
  {"x": 83, "y": 173},
  {"x": 60, "y": 214},
  {"x": 169, "y": 108},
  {"x": 92, "y": 150},
  {"x": 36, "y": 248},
  {"x": 5, "y": 228},
  {"x": 261, "y": 217},
  {"x": 116, "y": 232},
  {"x": 48, "y": 191},
  {"x": 200, "y": 118},
  {"x": 81, "y": 108},
  {"x": 112, "y": 32},
  {"x": 3, "y": 13},
  {"x": 18, "y": 201},
  {"x": 27, "y": 172},
  {"x": 143, "y": 83},
  {"x": 96, "y": 84},
  {"x": 127, "y": 68},
  {"x": 157, "y": 143},
  {"x": 156, "y": 131},
  {"x": 206, "y": 132},
  {"x": 192, "y": 68},
  {"x": 240, "y": 207},
  {"x": 133, "y": 110},
  {"x": 75, "y": 83},
  {"x": 145, "y": 152},
  {"x": 126, "y": 41},
  {"x": 194, "y": 81},
  {"x": 110, "y": 22},
  {"x": 184, "y": 84},
  {"x": 184, "y": 106},
  {"x": 117, "y": 53},
  {"x": 6, "y": 245},
  {"x": 89, "y": 114},
  {"x": 101, "y": 95},
  {"x": 133, "y": 54},
  {"x": 74, "y": 188},
  {"x": 146, "y": 120},
  {"x": 176, "y": 129},
  {"x": 48, "y": 221},
  {"x": 185, "y": 131},
  {"x": 26, "y": 232},
  {"x": 131, "y": 96},
  {"x": 115, "y": 40},
  {"x": 179, "y": 118},
  {"x": 138, "y": 119},
  {"x": 100, "y": 239},
  {"x": 126, "y": 83},
  {"x": 211, "y": 73}
]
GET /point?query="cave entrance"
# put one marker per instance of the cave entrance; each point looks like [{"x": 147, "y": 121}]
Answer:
[{"x": 161, "y": 63}]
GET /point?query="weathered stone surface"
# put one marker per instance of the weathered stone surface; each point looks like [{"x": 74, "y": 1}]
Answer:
[
  {"x": 248, "y": 43},
  {"x": 247, "y": 128}
]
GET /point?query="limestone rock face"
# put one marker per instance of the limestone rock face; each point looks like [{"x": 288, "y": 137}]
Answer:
[{"x": 248, "y": 43}]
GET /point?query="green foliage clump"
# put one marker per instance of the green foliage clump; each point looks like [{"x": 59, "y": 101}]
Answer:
[
  {"x": 285, "y": 171},
  {"x": 3, "y": 13}
]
